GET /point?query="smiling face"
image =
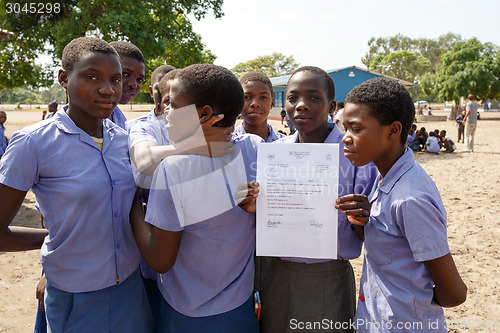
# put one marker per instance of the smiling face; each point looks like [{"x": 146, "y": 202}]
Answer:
[
  {"x": 365, "y": 139},
  {"x": 94, "y": 86},
  {"x": 133, "y": 77},
  {"x": 258, "y": 102},
  {"x": 307, "y": 102}
]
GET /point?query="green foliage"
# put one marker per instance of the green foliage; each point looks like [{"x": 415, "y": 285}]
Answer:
[
  {"x": 272, "y": 65},
  {"x": 158, "y": 27},
  {"x": 404, "y": 65},
  {"x": 470, "y": 67}
]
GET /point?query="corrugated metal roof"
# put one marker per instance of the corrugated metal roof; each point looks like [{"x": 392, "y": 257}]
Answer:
[{"x": 282, "y": 80}]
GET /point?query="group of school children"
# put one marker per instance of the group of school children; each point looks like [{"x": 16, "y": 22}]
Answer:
[
  {"x": 432, "y": 142},
  {"x": 162, "y": 191}
]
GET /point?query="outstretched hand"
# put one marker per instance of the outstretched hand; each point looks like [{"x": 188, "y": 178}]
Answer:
[
  {"x": 246, "y": 196},
  {"x": 356, "y": 207}
]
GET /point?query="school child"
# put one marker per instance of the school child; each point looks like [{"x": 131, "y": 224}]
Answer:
[
  {"x": 3, "y": 138},
  {"x": 52, "y": 106},
  {"x": 432, "y": 144},
  {"x": 408, "y": 271},
  {"x": 311, "y": 290},
  {"x": 447, "y": 142},
  {"x": 461, "y": 127},
  {"x": 206, "y": 259},
  {"x": 88, "y": 255},
  {"x": 259, "y": 101},
  {"x": 133, "y": 66}
]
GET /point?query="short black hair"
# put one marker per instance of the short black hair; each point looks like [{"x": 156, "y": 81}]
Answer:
[
  {"x": 213, "y": 85},
  {"x": 329, "y": 85},
  {"x": 54, "y": 103},
  {"x": 80, "y": 46},
  {"x": 159, "y": 72},
  {"x": 257, "y": 76},
  {"x": 127, "y": 49},
  {"x": 340, "y": 105},
  {"x": 162, "y": 85},
  {"x": 387, "y": 100}
]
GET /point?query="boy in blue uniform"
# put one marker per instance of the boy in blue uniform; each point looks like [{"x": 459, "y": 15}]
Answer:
[
  {"x": 258, "y": 91},
  {"x": 195, "y": 234},
  {"x": 88, "y": 254},
  {"x": 133, "y": 66},
  {"x": 408, "y": 271}
]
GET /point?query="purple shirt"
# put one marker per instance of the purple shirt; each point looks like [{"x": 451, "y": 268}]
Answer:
[
  {"x": 407, "y": 226},
  {"x": 273, "y": 135},
  {"x": 351, "y": 180},
  {"x": 84, "y": 194},
  {"x": 214, "y": 269}
]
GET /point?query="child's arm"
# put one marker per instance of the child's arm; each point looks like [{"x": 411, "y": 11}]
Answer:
[
  {"x": 40, "y": 292},
  {"x": 158, "y": 247},
  {"x": 357, "y": 208},
  {"x": 16, "y": 238},
  {"x": 146, "y": 155},
  {"x": 449, "y": 289}
]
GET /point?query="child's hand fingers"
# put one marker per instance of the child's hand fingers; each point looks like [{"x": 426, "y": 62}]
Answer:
[
  {"x": 358, "y": 220},
  {"x": 246, "y": 190},
  {"x": 353, "y": 197}
]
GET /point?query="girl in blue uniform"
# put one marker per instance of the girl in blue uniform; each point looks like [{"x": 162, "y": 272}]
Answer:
[{"x": 79, "y": 160}]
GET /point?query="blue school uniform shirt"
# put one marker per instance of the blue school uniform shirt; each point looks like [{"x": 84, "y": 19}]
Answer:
[
  {"x": 351, "y": 180},
  {"x": 148, "y": 128},
  {"x": 407, "y": 226},
  {"x": 3, "y": 140},
  {"x": 84, "y": 194},
  {"x": 118, "y": 117},
  {"x": 273, "y": 135},
  {"x": 214, "y": 270}
]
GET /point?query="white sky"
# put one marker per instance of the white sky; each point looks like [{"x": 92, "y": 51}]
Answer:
[{"x": 335, "y": 33}]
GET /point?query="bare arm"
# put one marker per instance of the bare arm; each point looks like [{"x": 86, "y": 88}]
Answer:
[
  {"x": 158, "y": 247},
  {"x": 16, "y": 238},
  {"x": 449, "y": 289}
]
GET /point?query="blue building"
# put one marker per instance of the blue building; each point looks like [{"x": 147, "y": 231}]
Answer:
[{"x": 345, "y": 79}]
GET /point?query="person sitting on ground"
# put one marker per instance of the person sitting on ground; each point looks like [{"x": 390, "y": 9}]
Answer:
[
  {"x": 447, "y": 142},
  {"x": 422, "y": 138},
  {"x": 432, "y": 144}
]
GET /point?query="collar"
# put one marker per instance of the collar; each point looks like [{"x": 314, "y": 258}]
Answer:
[{"x": 402, "y": 165}]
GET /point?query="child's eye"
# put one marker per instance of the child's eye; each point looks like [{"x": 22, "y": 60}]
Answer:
[
  {"x": 116, "y": 80},
  {"x": 265, "y": 98},
  {"x": 291, "y": 98},
  {"x": 92, "y": 77},
  {"x": 247, "y": 97},
  {"x": 140, "y": 80}
]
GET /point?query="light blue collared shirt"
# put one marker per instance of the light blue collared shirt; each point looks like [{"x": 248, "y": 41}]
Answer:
[
  {"x": 84, "y": 194},
  {"x": 407, "y": 226},
  {"x": 273, "y": 135},
  {"x": 351, "y": 180},
  {"x": 3, "y": 140},
  {"x": 118, "y": 117},
  {"x": 214, "y": 269}
]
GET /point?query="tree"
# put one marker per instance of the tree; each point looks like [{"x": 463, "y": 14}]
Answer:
[
  {"x": 470, "y": 67},
  {"x": 403, "y": 65},
  {"x": 272, "y": 65},
  {"x": 153, "y": 25}
]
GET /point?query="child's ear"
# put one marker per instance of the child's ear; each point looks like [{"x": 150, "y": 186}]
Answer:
[
  {"x": 395, "y": 129},
  {"x": 272, "y": 103},
  {"x": 332, "y": 107},
  {"x": 206, "y": 113},
  {"x": 62, "y": 76}
]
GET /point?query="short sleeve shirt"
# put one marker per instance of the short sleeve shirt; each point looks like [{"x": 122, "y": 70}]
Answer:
[
  {"x": 273, "y": 135},
  {"x": 84, "y": 194},
  {"x": 407, "y": 226},
  {"x": 214, "y": 269}
]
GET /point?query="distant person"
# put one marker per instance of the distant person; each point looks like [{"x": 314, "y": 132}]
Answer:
[
  {"x": 422, "y": 136},
  {"x": 470, "y": 122},
  {"x": 52, "y": 110},
  {"x": 432, "y": 144},
  {"x": 3, "y": 138},
  {"x": 339, "y": 115},
  {"x": 282, "y": 114},
  {"x": 429, "y": 112},
  {"x": 447, "y": 142},
  {"x": 461, "y": 127}
]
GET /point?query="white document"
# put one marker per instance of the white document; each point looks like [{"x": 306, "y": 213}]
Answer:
[{"x": 296, "y": 215}]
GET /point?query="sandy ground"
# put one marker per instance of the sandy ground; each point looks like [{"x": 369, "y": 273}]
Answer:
[{"x": 468, "y": 183}]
